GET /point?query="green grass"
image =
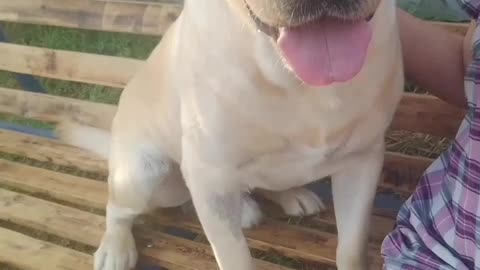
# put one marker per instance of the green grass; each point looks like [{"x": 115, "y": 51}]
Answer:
[
  {"x": 114, "y": 44},
  {"x": 106, "y": 43}
]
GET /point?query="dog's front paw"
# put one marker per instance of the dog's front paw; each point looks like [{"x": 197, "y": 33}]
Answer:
[
  {"x": 300, "y": 202},
  {"x": 116, "y": 252},
  {"x": 251, "y": 213}
]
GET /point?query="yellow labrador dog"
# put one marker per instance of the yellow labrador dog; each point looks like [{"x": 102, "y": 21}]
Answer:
[{"x": 253, "y": 95}]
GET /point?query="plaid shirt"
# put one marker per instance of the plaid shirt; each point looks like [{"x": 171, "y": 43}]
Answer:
[{"x": 438, "y": 227}]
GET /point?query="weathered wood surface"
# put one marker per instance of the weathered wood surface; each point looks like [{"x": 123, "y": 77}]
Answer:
[
  {"x": 50, "y": 108},
  {"x": 150, "y": 19},
  {"x": 87, "y": 228},
  {"x": 292, "y": 241},
  {"x": 401, "y": 172},
  {"x": 46, "y": 150},
  {"x": 31, "y": 254},
  {"x": 427, "y": 114},
  {"x": 67, "y": 65},
  {"x": 419, "y": 113}
]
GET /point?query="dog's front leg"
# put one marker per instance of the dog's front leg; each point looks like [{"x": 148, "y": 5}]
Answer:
[
  {"x": 353, "y": 193},
  {"x": 218, "y": 203}
]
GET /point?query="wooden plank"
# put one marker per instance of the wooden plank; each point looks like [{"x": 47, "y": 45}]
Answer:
[
  {"x": 401, "y": 172},
  {"x": 67, "y": 65},
  {"x": 421, "y": 113},
  {"x": 416, "y": 112},
  {"x": 87, "y": 228},
  {"x": 31, "y": 254},
  {"x": 427, "y": 114},
  {"x": 293, "y": 241},
  {"x": 50, "y": 108},
  {"x": 63, "y": 187},
  {"x": 149, "y": 19},
  {"x": 381, "y": 226},
  {"x": 52, "y": 218},
  {"x": 92, "y": 194},
  {"x": 460, "y": 28},
  {"x": 46, "y": 150},
  {"x": 289, "y": 240}
]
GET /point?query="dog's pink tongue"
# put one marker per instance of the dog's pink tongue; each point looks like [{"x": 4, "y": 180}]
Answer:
[{"x": 326, "y": 52}]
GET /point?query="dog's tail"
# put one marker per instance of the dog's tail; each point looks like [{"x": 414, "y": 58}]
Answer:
[{"x": 89, "y": 138}]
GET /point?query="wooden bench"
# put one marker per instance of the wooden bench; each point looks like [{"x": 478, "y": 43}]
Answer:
[{"x": 51, "y": 219}]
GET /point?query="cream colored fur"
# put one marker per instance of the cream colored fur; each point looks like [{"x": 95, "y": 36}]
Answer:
[{"x": 215, "y": 104}]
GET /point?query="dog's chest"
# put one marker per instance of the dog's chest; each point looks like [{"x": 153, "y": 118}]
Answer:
[{"x": 295, "y": 162}]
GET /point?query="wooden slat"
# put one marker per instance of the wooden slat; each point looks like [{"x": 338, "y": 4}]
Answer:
[
  {"x": 294, "y": 241},
  {"x": 53, "y": 108},
  {"x": 460, "y": 28},
  {"x": 67, "y": 65},
  {"x": 64, "y": 187},
  {"x": 416, "y": 112},
  {"x": 52, "y": 218},
  {"x": 31, "y": 254},
  {"x": 87, "y": 228},
  {"x": 92, "y": 193},
  {"x": 427, "y": 114},
  {"x": 420, "y": 113},
  {"x": 401, "y": 172},
  {"x": 47, "y": 150},
  {"x": 150, "y": 19},
  {"x": 289, "y": 240}
]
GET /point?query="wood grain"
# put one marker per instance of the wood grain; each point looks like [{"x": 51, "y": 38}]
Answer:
[
  {"x": 427, "y": 114},
  {"x": 31, "y": 254},
  {"x": 87, "y": 228},
  {"x": 50, "y": 108},
  {"x": 401, "y": 172},
  {"x": 63, "y": 187},
  {"x": 272, "y": 235},
  {"x": 149, "y": 19},
  {"x": 67, "y": 65},
  {"x": 416, "y": 112},
  {"x": 47, "y": 150}
]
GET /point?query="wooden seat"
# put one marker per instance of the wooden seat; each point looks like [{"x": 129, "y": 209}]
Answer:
[{"x": 51, "y": 219}]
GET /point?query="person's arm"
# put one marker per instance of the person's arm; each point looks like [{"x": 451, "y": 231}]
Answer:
[{"x": 434, "y": 58}]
